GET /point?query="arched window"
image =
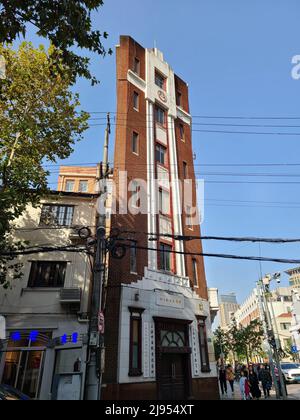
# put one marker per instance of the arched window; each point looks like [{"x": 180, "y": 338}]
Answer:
[{"x": 172, "y": 339}]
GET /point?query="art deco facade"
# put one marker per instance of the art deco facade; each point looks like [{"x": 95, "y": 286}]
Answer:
[{"x": 158, "y": 336}]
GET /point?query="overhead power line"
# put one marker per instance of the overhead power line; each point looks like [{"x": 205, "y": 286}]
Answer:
[
  {"x": 216, "y": 238},
  {"x": 230, "y": 117},
  {"x": 224, "y": 256}
]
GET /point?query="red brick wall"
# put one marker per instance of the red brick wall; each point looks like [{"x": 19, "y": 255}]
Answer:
[{"x": 128, "y": 120}]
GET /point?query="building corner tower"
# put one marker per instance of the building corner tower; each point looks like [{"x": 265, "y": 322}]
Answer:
[{"x": 158, "y": 327}]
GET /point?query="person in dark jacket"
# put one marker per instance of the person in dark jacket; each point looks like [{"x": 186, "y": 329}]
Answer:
[
  {"x": 266, "y": 380},
  {"x": 254, "y": 384},
  {"x": 222, "y": 378}
]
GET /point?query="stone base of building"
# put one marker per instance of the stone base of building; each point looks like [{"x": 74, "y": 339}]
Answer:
[{"x": 203, "y": 389}]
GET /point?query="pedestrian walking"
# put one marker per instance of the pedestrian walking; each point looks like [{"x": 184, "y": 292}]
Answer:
[
  {"x": 266, "y": 380},
  {"x": 254, "y": 384},
  {"x": 222, "y": 378},
  {"x": 244, "y": 385},
  {"x": 230, "y": 377}
]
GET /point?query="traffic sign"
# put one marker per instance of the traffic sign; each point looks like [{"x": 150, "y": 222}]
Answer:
[{"x": 294, "y": 349}]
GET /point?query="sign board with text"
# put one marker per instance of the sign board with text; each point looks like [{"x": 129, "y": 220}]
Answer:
[{"x": 170, "y": 300}]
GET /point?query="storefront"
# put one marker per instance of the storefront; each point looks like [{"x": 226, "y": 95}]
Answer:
[{"x": 42, "y": 366}]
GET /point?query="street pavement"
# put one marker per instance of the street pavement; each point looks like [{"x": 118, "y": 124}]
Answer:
[{"x": 293, "y": 393}]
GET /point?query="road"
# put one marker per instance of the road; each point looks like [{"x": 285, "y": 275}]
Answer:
[{"x": 294, "y": 391}]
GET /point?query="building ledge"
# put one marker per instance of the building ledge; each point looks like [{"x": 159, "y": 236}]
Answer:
[{"x": 168, "y": 278}]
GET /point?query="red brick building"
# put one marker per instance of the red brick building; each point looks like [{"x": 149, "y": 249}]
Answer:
[{"x": 158, "y": 326}]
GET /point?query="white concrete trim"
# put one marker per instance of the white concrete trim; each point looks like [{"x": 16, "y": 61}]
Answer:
[
  {"x": 151, "y": 184},
  {"x": 184, "y": 116},
  {"x": 177, "y": 208},
  {"x": 135, "y": 80}
]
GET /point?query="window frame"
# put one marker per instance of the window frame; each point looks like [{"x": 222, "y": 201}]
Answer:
[
  {"x": 182, "y": 132},
  {"x": 135, "y": 192},
  {"x": 162, "y": 259},
  {"x": 161, "y": 205},
  {"x": 202, "y": 329},
  {"x": 66, "y": 183},
  {"x": 67, "y": 220},
  {"x": 159, "y": 109},
  {"x": 179, "y": 98},
  {"x": 185, "y": 170},
  {"x": 195, "y": 273},
  {"x": 135, "y": 316},
  {"x": 36, "y": 271},
  {"x": 134, "y": 250},
  {"x": 160, "y": 154},
  {"x": 135, "y": 137},
  {"x": 137, "y": 66},
  {"x": 86, "y": 183},
  {"x": 159, "y": 77},
  {"x": 136, "y": 101},
  {"x": 189, "y": 221}
]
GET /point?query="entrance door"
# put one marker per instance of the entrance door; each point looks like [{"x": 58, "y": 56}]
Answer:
[
  {"x": 23, "y": 371},
  {"x": 172, "y": 380}
]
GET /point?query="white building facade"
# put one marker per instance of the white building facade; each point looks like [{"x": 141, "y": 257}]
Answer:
[{"x": 45, "y": 349}]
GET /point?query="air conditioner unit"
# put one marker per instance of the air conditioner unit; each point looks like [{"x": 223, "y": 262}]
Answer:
[{"x": 70, "y": 296}]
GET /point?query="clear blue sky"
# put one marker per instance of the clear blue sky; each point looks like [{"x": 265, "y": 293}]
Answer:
[{"x": 236, "y": 56}]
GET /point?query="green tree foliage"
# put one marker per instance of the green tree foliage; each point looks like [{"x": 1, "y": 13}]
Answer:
[
  {"x": 246, "y": 342},
  {"x": 221, "y": 343},
  {"x": 66, "y": 23},
  {"x": 39, "y": 122}
]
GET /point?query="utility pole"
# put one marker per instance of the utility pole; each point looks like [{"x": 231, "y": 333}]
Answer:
[
  {"x": 276, "y": 354},
  {"x": 96, "y": 337},
  {"x": 266, "y": 336}
]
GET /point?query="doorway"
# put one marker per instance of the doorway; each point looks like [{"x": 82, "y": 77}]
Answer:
[
  {"x": 173, "y": 359},
  {"x": 173, "y": 377}
]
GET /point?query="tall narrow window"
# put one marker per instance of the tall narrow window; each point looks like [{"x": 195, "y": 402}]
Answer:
[
  {"x": 70, "y": 184},
  {"x": 160, "y": 80},
  {"x": 133, "y": 258},
  {"x": 135, "y": 346},
  {"x": 165, "y": 257},
  {"x": 83, "y": 186},
  {"x": 181, "y": 130},
  {"x": 161, "y": 154},
  {"x": 195, "y": 272},
  {"x": 160, "y": 116},
  {"x": 189, "y": 217},
  {"x": 178, "y": 98},
  {"x": 137, "y": 66},
  {"x": 185, "y": 170},
  {"x": 205, "y": 367},
  {"x": 136, "y": 101},
  {"x": 164, "y": 202},
  {"x": 135, "y": 195},
  {"x": 135, "y": 143}
]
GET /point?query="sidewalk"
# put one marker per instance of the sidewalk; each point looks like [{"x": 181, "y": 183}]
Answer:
[{"x": 237, "y": 393}]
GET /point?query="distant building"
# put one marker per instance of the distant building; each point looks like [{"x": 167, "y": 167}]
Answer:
[
  {"x": 295, "y": 327},
  {"x": 228, "y": 307},
  {"x": 280, "y": 310},
  {"x": 81, "y": 179},
  {"x": 294, "y": 279}
]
